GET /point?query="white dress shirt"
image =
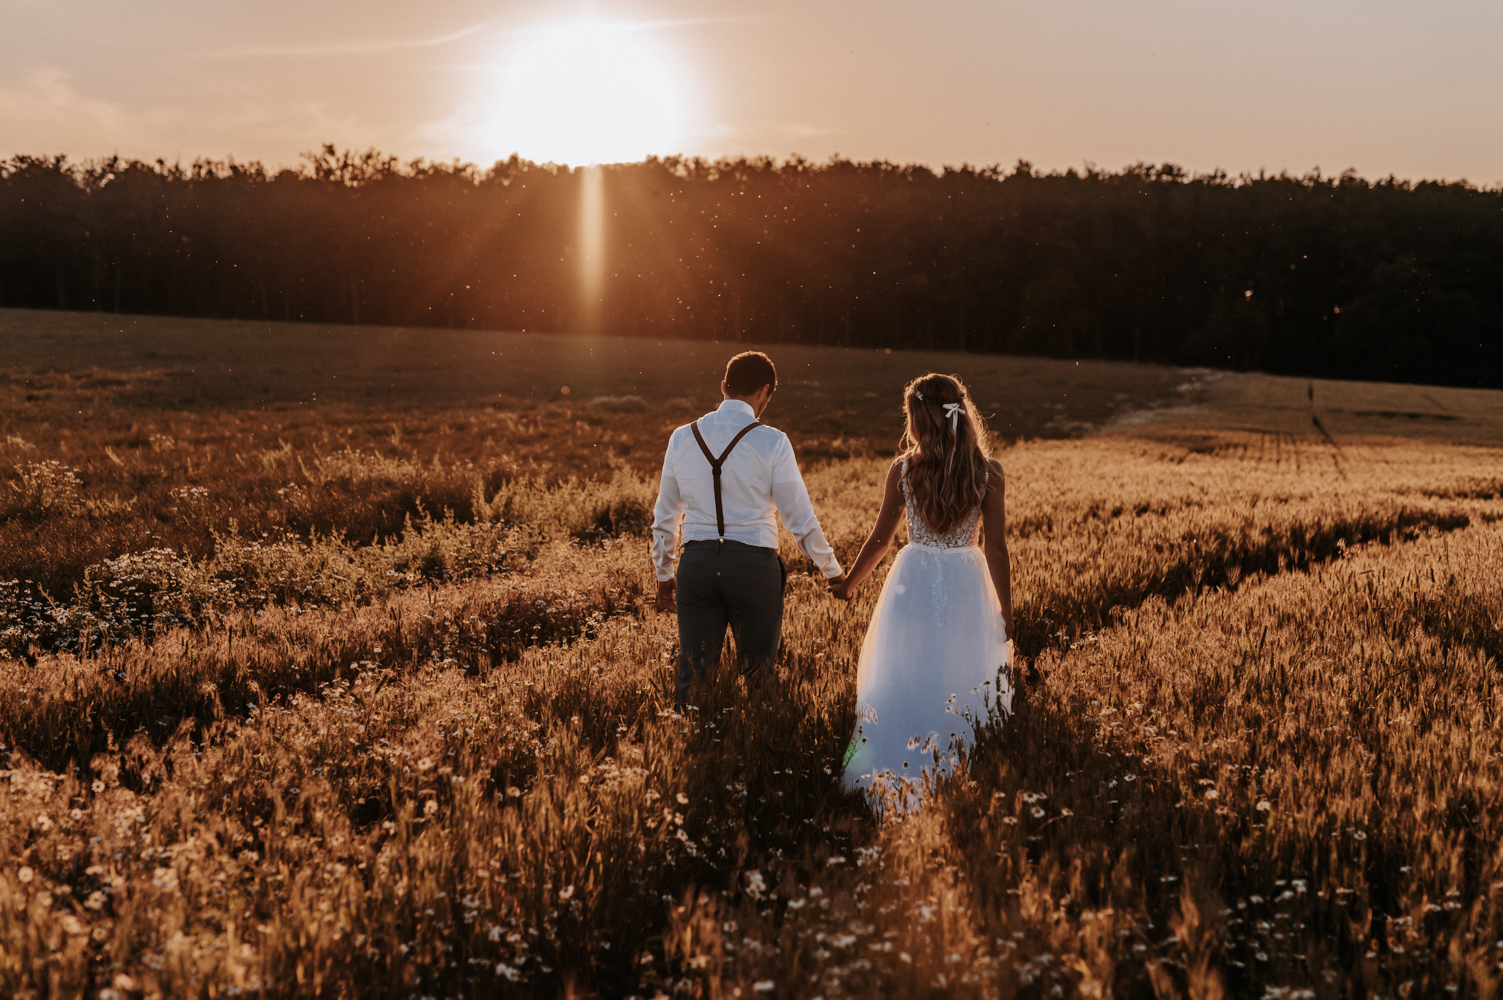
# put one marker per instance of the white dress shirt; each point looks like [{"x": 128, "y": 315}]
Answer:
[{"x": 759, "y": 476}]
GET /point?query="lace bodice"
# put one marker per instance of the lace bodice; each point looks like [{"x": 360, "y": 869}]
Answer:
[{"x": 964, "y": 535}]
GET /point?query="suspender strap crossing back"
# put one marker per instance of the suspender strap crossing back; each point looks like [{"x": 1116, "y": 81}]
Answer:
[{"x": 716, "y": 463}]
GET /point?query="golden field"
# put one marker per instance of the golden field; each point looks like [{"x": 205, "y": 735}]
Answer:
[{"x": 362, "y": 695}]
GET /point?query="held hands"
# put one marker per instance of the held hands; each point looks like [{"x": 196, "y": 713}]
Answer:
[{"x": 841, "y": 588}]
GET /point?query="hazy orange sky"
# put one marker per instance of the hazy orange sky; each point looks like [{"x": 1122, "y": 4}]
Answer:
[{"x": 1409, "y": 88}]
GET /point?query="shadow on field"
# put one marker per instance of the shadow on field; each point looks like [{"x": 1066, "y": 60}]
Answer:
[{"x": 1074, "y": 843}]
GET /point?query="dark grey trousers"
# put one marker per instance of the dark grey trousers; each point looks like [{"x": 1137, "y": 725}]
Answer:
[{"x": 720, "y": 584}]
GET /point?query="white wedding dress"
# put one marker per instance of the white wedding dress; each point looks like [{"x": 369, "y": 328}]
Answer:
[{"x": 934, "y": 664}]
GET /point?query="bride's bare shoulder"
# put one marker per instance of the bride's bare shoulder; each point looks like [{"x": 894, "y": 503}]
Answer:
[
  {"x": 892, "y": 486},
  {"x": 996, "y": 467}
]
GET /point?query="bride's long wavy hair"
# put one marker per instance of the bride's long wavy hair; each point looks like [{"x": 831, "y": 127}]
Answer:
[{"x": 946, "y": 467}]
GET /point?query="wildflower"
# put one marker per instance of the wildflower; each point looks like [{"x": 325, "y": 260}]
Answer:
[
  {"x": 1265, "y": 806},
  {"x": 756, "y": 885},
  {"x": 1038, "y": 812},
  {"x": 683, "y": 799},
  {"x": 25, "y": 874},
  {"x": 764, "y": 986},
  {"x": 1212, "y": 794},
  {"x": 566, "y": 893}
]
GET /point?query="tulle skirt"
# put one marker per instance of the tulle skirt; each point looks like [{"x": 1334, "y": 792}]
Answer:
[{"x": 934, "y": 666}]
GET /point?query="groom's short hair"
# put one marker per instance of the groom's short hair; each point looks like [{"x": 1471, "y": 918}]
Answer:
[{"x": 749, "y": 371}]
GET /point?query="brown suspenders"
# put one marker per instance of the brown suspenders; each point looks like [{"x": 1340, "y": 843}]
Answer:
[{"x": 716, "y": 463}]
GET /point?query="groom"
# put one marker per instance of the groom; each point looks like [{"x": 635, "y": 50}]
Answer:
[{"x": 727, "y": 478}]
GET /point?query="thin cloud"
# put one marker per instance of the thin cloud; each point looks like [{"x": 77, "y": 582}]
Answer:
[
  {"x": 350, "y": 48},
  {"x": 46, "y": 103},
  {"x": 673, "y": 22},
  {"x": 398, "y": 45}
]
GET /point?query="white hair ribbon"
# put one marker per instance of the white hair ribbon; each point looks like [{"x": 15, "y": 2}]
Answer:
[{"x": 952, "y": 410}]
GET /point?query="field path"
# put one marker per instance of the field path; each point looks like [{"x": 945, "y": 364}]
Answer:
[{"x": 1341, "y": 412}]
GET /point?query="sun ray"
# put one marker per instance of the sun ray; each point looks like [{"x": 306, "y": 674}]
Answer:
[{"x": 591, "y": 247}]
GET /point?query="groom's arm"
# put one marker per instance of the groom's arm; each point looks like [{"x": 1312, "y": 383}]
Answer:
[
  {"x": 667, "y": 514},
  {"x": 797, "y": 512}
]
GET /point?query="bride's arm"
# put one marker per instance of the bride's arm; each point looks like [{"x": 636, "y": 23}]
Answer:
[
  {"x": 880, "y": 540},
  {"x": 994, "y": 518}
]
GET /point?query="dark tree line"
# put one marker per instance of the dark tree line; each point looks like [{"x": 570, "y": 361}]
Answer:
[{"x": 1311, "y": 275}]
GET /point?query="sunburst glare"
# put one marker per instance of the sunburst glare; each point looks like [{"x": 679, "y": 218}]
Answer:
[{"x": 589, "y": 91}]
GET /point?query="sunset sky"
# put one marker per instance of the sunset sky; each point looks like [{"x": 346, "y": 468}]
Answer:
[{"x": 1409, "y": 88}]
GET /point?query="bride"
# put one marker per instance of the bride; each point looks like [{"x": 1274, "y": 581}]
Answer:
[{"x": 934, "y": 662}]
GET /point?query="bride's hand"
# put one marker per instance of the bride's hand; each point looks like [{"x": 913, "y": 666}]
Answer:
[{"x": 841, "y": 588}]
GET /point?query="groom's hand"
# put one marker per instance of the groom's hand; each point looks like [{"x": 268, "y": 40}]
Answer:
[
  {"x": 837, "y": 587},
  {"x": 667, "y": 602}
]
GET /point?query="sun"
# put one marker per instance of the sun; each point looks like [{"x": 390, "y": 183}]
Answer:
[{"x": 587, "y": 92}]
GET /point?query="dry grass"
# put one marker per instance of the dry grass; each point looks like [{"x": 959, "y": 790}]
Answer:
[{"x": 356, "y": 747}]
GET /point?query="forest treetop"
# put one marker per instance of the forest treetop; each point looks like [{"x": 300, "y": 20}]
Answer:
[{"x": 1334, "y": 276}]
